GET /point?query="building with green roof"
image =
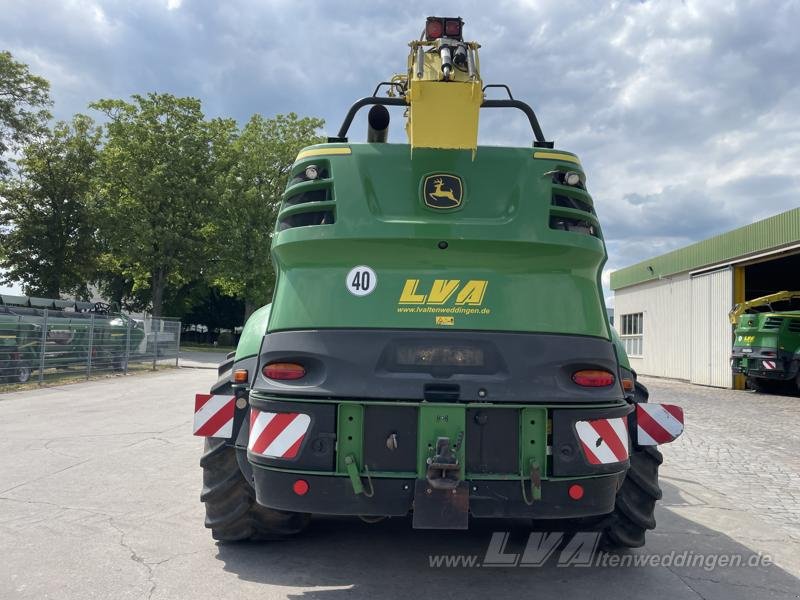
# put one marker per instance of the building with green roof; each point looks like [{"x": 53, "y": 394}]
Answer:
[{"x": 672, "y": 310}]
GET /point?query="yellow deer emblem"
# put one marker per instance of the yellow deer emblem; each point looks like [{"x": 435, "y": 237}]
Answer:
[{"x": 443, "y": 191}]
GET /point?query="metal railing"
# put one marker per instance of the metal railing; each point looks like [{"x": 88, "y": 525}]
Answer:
[{"x": 49, "y": 345}]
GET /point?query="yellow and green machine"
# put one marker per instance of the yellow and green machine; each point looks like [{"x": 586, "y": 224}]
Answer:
[
  {"x": 766, "y": 342},
  {"x": 437, "y": 343}
]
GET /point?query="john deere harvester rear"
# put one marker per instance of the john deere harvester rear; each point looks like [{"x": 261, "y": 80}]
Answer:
[
  {"x": 766, "y": 345},
  {"x": 437, "y": 344}
]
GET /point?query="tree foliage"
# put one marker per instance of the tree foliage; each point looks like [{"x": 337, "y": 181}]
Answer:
[
  {"x": 47, "y": 235},
  {"x": 161, "y": 208},
  {"x": 250, "y": 188},
  {"x": 156, "y": 196},
  {"x": 24, "y": 99}
]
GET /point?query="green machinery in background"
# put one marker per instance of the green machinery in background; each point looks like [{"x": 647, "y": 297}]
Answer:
[{"x": 766, "y": 345}]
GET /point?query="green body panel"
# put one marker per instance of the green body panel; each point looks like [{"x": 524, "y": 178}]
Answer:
[
  {"x": 503, "y": 268},
  {"x": 253, "y": 332},
  {"x": 534, "y": 278},
  {"x": 619, "y": 350},
  {"x": 762, "y": 330}
]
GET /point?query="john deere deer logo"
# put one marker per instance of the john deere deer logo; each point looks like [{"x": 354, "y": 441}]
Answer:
[{"x": 442, "y": 191}]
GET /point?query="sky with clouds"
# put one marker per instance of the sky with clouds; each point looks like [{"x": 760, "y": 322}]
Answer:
[{"x": 686, "y": 115}]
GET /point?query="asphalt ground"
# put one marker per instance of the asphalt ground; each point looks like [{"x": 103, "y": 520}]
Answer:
[{"x": 99, "y": 498}]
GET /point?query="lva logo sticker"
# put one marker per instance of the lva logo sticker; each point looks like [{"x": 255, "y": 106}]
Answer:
[{"x": 443, "y": 291}]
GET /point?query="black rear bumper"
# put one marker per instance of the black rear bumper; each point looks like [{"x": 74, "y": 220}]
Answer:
[
  {"x": 333, "y": 495},
  {"x": 397, "y": 364},
  {"x": 785, "y": 368}
]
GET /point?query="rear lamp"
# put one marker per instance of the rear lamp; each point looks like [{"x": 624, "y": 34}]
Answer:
[
  {"x": 311, "y": 172},
  {"x": 300, "y": 487},
  {"x": 240, "y": 376},
  {"x": 593, "y": 378},
  {"x": 452, "y": 28},
  {"x": 572, "y": 178},
  {"x": 575, "y": 491},
  {"x": 284, "y": 371},
  {"x": 433, "y": 29},
  {"x": 628, "y": 385}
]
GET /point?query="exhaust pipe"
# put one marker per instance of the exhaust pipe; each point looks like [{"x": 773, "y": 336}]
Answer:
[{"x": 378, "y": 124}]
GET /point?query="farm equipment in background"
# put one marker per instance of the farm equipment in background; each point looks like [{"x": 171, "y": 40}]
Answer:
[
  {"x": 766, "y": 344},
  {"x": 73, "y": 333},
  {"x": 437, "y": 343}
]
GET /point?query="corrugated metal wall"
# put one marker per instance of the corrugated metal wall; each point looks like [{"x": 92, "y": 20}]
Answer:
[
  {"x": 686, "y": 330},
  {"x": 712, "y": 298},
  {"x": 666, "y": 305}
]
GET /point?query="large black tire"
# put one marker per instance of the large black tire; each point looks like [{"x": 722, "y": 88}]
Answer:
[
  {"x": 634, "y": 509},
  {"x": 766, "y": 386},
  {"x": 232, "y": 512},
  {"x": 636, "y": 501}
]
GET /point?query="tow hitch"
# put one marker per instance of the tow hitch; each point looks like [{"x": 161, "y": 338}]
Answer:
[{"x": 441, "y": 500}]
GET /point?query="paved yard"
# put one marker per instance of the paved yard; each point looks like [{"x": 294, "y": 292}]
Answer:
[{"x": 99, "y": 487}]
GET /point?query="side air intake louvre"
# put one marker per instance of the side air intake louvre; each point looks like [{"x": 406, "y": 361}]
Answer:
[
  {"x": 570, "y": 202},
  {"x": 305, "y": 219},
  {"x": 308, "y": 202},
  {"x": 773, "y": 323},
  {"x": 573, "y": 225}
]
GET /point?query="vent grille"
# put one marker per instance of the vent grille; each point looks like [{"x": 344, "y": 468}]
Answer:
[
  {"x": 794, "y": 325},
  {"x": 574, "y": 225},
  {"x": 773, "y": 323},
  {"x": 306, "y": 219},
  {"x": 320, "y": 195},
  {"x": 569, "y": 202},
  {"x": 308, "y": 202}
]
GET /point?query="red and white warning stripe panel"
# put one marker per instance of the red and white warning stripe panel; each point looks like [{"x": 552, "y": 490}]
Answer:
[
  {"x": 658, "y": 423},
  {"x": 604, "y": 441},
  {"x": 277, "y": 435},
  {"x": 769, "y": 365},
  {"x": 213, "y": 415}
]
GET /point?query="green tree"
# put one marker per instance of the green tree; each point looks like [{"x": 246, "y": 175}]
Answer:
[
  {"x": 158, "y": 167},
  {"x": 23, "y": 101},
  {"x": 257, "y": 165},
  {"x": 46, "y": 222}
]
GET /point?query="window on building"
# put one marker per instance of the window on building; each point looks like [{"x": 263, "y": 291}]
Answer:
[{"x": 632, "y": 333}]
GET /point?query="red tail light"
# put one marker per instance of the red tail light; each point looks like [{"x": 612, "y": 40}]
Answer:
[
  {"x": 284, "y": 371},
  {"x": 452, "y": 28},
  {"x": 593, "y": 378},
  {"x": 433, "y": 29}
]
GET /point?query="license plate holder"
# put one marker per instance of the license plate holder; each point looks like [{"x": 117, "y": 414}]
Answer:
[{"x": 441, "y": 508}]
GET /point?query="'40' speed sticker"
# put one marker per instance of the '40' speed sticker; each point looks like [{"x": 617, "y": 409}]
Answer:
[{"x": 361, "y": 281}]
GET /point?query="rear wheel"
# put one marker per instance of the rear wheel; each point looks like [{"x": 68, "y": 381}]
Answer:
[
  {"x": 23, "y": 374},
  {"x": 232, "y": 512},
  {"x": 634, "y": 509},
  {"x": 765, "y": 386}
]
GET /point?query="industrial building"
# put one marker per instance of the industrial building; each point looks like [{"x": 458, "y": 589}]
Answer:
[{"x": 672, "y": 310}]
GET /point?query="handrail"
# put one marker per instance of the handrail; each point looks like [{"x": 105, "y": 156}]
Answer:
[{"x": 539, "y": 142}]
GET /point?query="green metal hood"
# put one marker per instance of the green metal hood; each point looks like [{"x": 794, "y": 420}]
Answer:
[{"x": 508, "y": 256}]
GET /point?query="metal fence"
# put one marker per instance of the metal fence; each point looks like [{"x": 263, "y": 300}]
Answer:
[{"x": 38, "y": 345}]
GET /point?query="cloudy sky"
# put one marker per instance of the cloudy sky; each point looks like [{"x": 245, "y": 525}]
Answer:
[{"x": 686, "y": 114}]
